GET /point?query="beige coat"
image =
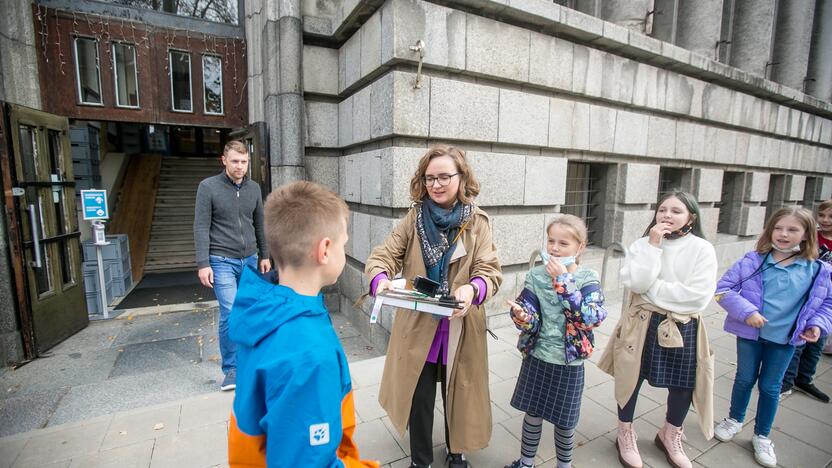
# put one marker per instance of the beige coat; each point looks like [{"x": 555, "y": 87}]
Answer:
[
  {"x": 468, "y": 407},
  {"x": 622, "y": 358}
]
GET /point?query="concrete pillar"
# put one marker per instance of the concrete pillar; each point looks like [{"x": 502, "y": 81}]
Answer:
[
  {"x": 283, "y": 79},
  {"x": 665, "y": 20},
  {"x": 698, "y": 25},
  {"x": 819, "y": 84},
  {"x": 752, "y": 35},
  {"x": 635, "y": 189},
  {"x": 590, "y": 7},
  {"x": 18, "y": 55},
  {"x": 628, "y": 13},
  {"x": 792, "y": 39}
]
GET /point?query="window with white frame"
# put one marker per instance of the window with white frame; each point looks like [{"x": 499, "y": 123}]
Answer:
[
  {"x": 212, "y": 84},
  {"x": 180, "y": 81},
  {"x": 87, "y": 71},
  {"x": 126, "y": 75}
]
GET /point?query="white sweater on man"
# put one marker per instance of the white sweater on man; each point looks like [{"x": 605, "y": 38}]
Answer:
[{"x": 679, "y": 276}]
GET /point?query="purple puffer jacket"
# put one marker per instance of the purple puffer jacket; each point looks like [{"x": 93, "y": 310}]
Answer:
[{"x": 740, "y": 301}]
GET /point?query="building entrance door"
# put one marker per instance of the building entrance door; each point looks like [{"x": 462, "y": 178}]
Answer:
[
  {"x": 44, "y": 237},
  {"x": 255, "y": 137}
]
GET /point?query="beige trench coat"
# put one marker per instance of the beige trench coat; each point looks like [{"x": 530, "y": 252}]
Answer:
[
  {"x": 468, "y": 408},
  {"x": 622, "y": 358}
]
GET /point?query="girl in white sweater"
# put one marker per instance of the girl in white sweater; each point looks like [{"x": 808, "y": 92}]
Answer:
[{"x": 671, "y": 272}]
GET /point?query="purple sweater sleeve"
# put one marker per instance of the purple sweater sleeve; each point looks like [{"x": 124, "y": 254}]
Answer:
[
  {"x": 481, "y": 287},
  {"x": 375, "y": 281}
]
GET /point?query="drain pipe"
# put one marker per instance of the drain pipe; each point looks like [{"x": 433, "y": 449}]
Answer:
[{"x": 284, "y": 85}]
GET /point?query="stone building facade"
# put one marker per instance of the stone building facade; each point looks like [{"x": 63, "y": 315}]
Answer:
[{"x": 590, "y": 107}]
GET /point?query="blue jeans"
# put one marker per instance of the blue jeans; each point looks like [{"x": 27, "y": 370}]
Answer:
[
  {"x": 804, "y": 364},
  {"x": 227, "y": 272},
  {"x": 762, "y": 361}
]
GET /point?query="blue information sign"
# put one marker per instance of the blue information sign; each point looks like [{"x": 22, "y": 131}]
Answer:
[{"x": 94, "y": 204}]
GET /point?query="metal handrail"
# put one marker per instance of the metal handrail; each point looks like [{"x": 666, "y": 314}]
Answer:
[{"x": 612, "y": 249}]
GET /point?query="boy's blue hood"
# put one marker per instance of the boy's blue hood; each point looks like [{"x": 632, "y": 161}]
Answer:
[{"x": 262, "y": 307}]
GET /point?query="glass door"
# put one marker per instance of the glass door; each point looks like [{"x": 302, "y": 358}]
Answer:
[
  {"x": 255, "y": 138},
  {"x": 48, "y": 225}
]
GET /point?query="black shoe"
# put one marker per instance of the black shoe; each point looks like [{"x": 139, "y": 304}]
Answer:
[
  {"x": 230, "y": 381},
  {"x": 518, "y": 464},
  {"x": 812, "y": 391},
  {"x": 456, "y": 460}
]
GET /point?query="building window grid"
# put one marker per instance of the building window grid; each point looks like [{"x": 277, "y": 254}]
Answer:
[
  {"x": 183, "y": 56},
  {"x": 130, "y": 48},
  {"x": 670, "y": 178},
  {"x": 729, "y": 189},
  {"x": 581, "y": 191},
  {"x": 82, "y": 84},
  {"x": 212, "y": 85}
]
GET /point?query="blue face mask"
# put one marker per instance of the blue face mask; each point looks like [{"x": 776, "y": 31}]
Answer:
[{"x": 565, "y": 261}]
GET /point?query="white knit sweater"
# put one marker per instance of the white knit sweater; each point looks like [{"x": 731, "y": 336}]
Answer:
[{"x": 680, "y": 276}]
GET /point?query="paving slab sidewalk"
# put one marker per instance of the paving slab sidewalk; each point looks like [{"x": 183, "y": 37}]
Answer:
[{"x": 192, "y": 432}]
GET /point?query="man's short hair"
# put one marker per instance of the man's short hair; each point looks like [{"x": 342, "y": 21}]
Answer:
[
  {"x": 299, "y": 215},
  {"x": 235, "y": 145}
]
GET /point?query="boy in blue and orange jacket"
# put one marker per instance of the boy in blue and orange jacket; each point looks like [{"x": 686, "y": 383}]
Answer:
[{"x": 294, "y": 402}]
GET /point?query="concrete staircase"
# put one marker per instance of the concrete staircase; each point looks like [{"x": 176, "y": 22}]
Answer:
[{"x": 171, "y": 246}]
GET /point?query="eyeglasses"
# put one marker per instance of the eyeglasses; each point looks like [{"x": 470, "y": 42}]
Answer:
[{"x": 443, "y": 179}]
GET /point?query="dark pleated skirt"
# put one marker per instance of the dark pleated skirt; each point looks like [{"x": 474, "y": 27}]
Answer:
[
  {"x": 550, "y": 391},
  {"x": 669, "y": 367}
]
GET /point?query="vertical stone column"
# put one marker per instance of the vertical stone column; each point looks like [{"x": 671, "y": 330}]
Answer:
[
  {"x": 590, "y": 7},
  {"x": 628, "y": 13},
  {"x": 282, "y": 47},
  {"x": 698, "y": 25},
  {"x": 819, "y": 84},
  {"x": 707, "y": 188},
  {"x": 792, "y": 39},
  {"x": 752, "y": 35},
  {"x": 795, "y": 189},
  {"x": 636, "y": 190},
  {"x": 19, "y": 82},
  {"x": 753, "y": 213}
]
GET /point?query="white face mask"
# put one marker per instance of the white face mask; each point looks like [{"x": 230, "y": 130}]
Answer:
[
  {"x": 565, "y": 261},
  {"x": 793, "y": 249}
]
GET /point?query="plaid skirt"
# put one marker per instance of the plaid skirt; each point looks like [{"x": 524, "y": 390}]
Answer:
[
  {"x": 669, "y": 367},
  {"x": 550, "y": 391}
]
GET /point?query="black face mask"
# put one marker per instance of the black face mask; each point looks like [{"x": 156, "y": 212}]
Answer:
[{"x": 682, "y": 232}]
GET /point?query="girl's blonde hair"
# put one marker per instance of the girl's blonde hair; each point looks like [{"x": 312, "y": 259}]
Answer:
[
  {"x": 808, "y": 246},
  {"x": 574, "y": 225},
  {"x": 469, "y": 188}
]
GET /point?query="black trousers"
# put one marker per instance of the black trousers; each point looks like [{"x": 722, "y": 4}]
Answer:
[
  {"x": 421, "y": 413},
  {"x": 678, "y": 403}
]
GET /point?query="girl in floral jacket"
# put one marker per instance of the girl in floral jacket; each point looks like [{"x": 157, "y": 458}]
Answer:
[{"x": 556, "y": 312}]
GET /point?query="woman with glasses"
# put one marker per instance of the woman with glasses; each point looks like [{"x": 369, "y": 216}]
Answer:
[{"x": 446, "y": 238}]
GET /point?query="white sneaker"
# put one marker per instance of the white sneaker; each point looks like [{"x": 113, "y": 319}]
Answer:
[
  {"x": 727, "y": 429},
  {"x": 764, "y": 451}
]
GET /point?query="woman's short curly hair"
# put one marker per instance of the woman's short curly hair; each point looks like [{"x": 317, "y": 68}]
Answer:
[{"x": 469, "y": 188}]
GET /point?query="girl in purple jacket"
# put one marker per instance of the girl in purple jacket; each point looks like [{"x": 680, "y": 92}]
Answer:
[{"x": 777, "y": 297}]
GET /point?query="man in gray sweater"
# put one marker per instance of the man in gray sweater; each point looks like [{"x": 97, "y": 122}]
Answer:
[{"x": 228, "y": 232}]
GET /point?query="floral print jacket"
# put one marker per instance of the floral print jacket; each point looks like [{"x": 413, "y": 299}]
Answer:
[{"x": 579, "y": 300}]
